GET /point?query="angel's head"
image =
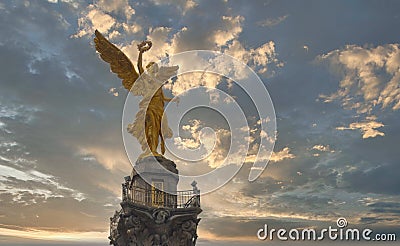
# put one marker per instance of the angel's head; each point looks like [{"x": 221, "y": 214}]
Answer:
[{"x": 152, "y": 67}]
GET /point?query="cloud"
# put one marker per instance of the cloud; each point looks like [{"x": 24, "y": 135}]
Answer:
[
  {"x": 109, "y": 158},
  {"x": 362, "y": 179},
  {"x": 369, "y": 77},
  {"x": 194, "y": 141},
  {"x": 209, "y": 146},
  {"x": 270, "y": 22},
  {"x": 113, "y": 91},
  {"x": 106, "y": 16},
  {"x": 117, "y": 6},
  {"x": 18, "y": 183},
  {"x": 193, "y": 80},
  {"x": 58, "y": 117},
  {"x": 47, "y": 116},
  {"x": 275, "y": 156},
  {"x": 42, "y": 234},
  {"x": 183, "y": 5},
  {"x": 258, "y": 58},
  {"x": 369, "y": 83},
  {"x": 222, "y": 34},
  {"x": 24, "y": 113},
  {"x": 231, "y": 29},
  {"x": 322, "y": 148},
  {"x": 368, "y": 128},
  {"x": 282, "y": 155},
  {"x": 94, "y": 19}
]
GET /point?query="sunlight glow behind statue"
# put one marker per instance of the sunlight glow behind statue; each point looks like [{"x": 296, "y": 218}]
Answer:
[
  {"x": 217, "y": 158},
  {"x": 150, "y": 126}
]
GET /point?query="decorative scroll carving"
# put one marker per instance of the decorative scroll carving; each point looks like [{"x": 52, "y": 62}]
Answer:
[
  {"x": 160, "y": 215},
  {"x": 144, "y": 226}
]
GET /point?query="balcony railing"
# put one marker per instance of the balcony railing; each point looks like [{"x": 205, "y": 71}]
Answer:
[{"x": 153, "y": 197}]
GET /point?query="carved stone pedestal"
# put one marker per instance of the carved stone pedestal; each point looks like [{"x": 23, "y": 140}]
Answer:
[
  {"x": 137, "y": 225},
  {"x": 150, "y": 216}
]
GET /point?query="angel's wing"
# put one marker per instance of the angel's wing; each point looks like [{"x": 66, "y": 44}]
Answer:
[
  {"x": 150, "y": 81},
  {"x": 164, "y": 73},
  {"x": 119, "y": 62}
]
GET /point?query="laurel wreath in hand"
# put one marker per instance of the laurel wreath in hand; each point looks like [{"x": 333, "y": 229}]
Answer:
[{"x": 144, "y": 46}]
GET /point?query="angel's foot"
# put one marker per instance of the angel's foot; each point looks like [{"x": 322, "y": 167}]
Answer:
[
  {"x": 156, "y": 154},
  {"x": 147, "y": 154}
]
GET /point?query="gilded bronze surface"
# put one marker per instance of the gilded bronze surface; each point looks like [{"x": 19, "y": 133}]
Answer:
[{"x": 150, "y": 126}]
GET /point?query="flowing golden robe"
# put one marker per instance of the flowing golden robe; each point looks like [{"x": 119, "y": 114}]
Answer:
[
  {"x": 150, "y": 124},
  {"x": 151, "y": 121}
]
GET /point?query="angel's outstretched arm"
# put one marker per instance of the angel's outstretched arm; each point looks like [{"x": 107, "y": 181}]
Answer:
[
  {"x": 139, "y": 62},
  {"x": 142, "y": 47}
]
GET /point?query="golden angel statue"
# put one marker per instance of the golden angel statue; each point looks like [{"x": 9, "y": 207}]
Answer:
[{"x": 150, "y": 125}]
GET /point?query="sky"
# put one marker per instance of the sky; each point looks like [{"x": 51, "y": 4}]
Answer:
[{"x": 331, "y": 68}]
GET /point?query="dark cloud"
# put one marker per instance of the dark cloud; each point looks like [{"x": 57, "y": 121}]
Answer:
[
  {"x": 55, "y": 107},
  {"x": 50, "y": 115}
]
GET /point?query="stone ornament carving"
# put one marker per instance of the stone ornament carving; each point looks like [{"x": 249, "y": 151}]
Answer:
[
  {"x": 141, "y": 226},
  {"x": 160, "y": 215}
]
